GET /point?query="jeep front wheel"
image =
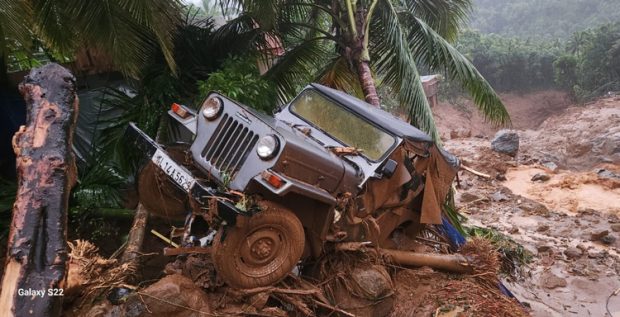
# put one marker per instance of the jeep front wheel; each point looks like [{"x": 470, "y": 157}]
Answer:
[{"x": 263, "y": 251}]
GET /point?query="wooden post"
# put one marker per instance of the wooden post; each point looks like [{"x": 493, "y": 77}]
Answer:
[{"x": 37, "y": 253}]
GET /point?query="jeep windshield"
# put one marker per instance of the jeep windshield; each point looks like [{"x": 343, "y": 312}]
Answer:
[{"x": 342, "y": 125}]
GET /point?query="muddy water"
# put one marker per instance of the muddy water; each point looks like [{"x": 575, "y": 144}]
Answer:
[{"x": 565, "y": 192}]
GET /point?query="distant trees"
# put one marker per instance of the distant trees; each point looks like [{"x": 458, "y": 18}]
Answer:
[
  {"x": 587, "y": 64},
  {"x": 549, "y": 19}
]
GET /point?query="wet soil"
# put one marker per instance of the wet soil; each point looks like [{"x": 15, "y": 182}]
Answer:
[{"x": 570, "y": 222}]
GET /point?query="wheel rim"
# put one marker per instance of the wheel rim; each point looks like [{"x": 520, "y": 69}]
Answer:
[{"x": 263, "y": 251}]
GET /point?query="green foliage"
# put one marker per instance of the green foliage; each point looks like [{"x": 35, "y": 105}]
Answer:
[
  {"x": 129, "y": 32},
  {"x": 511, "y": 64},
  {"x": 549, "y": 19},
  {"x": 240, "y": 80},
  {"x": 565, "y": 71},
  {"x": 599, "y": 64}
]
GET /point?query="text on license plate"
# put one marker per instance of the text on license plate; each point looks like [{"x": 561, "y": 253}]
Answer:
[{"x": 177, "y": 173}]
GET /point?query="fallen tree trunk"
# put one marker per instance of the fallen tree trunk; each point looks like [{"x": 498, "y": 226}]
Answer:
[{"x": 35, "y": 270}]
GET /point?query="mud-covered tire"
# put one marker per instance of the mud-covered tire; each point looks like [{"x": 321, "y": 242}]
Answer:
[{"x": 263, "y": 251}]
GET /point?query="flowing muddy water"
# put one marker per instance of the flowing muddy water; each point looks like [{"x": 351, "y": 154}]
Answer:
[{"x": 567, "y": 192}]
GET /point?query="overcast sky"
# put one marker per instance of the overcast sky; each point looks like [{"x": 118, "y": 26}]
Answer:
[{"x": 197, "y": 3}]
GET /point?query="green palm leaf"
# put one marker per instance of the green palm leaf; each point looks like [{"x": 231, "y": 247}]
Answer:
[
  {"x": 396, "y": 65},
  {"x": 431, "y": 49},
  {"x": 444, "y": 16},
  {"x": 14, "y": 24}
]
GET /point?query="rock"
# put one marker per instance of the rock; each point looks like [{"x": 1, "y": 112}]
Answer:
[
  {"x": 573, "y": 253},
  {"x": 542, "y": 228},
  {"x": 534, "y": 207},
  {"x": 500, "y": 177},
  {"x": 543, "y": 248},
  {"x": 513, "y": 230},
  {"x": 615, "y": 227},
  {"x": 603, "y": 173},
  {"x": 550, "y": 166},
  {"x": 593, "y": 254},
  {"x": 542, "y": 177},
  {"x": 506, "y": 141},
  {"x": 597, "y": 236},
  {"x": 174, "y": 288},
  {"x": 468, "y": 197},
  {"x": 608, "y": 239},
  {"x": 498, "y": 196},
  {"x": 551, "y": 281},
  {"x": 367, "y": 292},
  {"x": 460, "y": 133}
]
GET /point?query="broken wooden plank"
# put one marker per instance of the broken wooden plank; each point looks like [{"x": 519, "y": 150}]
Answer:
[{"x": 37, "y": 249}]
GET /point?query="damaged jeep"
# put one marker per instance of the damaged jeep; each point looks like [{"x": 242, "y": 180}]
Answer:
[{"x": 262, "y": 193}]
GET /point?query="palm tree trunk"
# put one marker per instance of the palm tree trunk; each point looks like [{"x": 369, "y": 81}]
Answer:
[{"x": 368, "y": 83}]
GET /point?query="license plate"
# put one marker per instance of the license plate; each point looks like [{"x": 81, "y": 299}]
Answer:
[{"x": 177, "y": 173}]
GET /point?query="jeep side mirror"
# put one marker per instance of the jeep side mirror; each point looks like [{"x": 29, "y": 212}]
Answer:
[{"x": 388, "y": 169}]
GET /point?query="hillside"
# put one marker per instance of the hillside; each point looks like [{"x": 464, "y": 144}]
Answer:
[{"x": 542, "y": 18}]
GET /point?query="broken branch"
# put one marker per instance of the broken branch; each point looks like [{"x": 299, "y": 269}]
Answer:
[{"x": 473, "y": 171}]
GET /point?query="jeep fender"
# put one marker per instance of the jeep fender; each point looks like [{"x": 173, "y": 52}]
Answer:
[{"x": 294, "y": 186}]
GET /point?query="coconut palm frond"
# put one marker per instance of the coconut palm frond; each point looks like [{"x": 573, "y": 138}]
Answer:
[
  {"x": 338, "y": 75},
  {"x": 298, "y": 66},
  {"x": 160, "y": 17},
  {"x": 433, "y": 50},
  {"x": 130, "y": 32},
  {"x": 444, "y": 16},
  {"x": 396, "y": 65},
  {"x": 55, "y": 26},
  {"x": 14, "y": 24}
]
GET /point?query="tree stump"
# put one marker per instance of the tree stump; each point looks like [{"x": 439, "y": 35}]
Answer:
[{"x": 37, "y": 248}]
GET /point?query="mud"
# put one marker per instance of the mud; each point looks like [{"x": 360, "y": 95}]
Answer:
[{"x": 567, "y": 222}]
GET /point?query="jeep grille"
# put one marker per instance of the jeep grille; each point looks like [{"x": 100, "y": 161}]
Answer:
[{"x": 229, "y": 146}]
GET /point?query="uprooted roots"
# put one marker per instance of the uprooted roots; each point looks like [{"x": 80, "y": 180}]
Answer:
[{"x": 91, "y": 276}]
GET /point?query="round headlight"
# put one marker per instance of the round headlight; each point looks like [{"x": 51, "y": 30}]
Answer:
[
  {"x": 212, "y": 108},
  {"x": 267, "y": 147}
]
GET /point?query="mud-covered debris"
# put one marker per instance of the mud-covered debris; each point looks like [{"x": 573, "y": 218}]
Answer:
[
  {"x": 468, "y": 197},
  {"x": 506, "y": 141},
  {"x": 615, "y": 227}
]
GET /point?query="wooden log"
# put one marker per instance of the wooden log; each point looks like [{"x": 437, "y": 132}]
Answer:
[
  {"x": 136, "y": 235},
  {"x": 447, "y": 262},
  {"x": 37, "y": 248}
]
